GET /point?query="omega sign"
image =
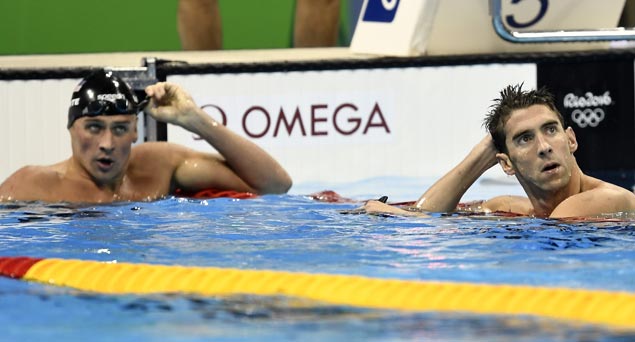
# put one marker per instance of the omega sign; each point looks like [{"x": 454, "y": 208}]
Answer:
[
  {"x": 587, "y": 111},
  {"x": 310, "y": 120}
]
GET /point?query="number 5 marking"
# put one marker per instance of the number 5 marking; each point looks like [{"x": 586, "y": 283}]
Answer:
[{"x": 543, "y": 10}]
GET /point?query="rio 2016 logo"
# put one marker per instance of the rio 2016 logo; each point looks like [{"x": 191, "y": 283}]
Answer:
[
  {"x": 586, "y": 111},
  {"x": 381, "y": 10}
]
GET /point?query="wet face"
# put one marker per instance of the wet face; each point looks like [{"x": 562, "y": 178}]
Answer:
[
  {"x": 102, "y": 144},
  {"x": 540, "y": 150}
]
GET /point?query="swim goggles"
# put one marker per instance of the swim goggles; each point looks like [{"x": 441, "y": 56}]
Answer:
[
  {"x": 99, "y": 107},
  {"x": 117, "y": 106}
]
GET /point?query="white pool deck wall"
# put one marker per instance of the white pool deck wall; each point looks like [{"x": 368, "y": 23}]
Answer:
[
  {"x": 357, "y": 124},
  {"x": 413, "y": 122}
]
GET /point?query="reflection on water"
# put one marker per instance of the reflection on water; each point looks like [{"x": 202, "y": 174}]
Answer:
[
  {"x": 26, "y": 212},
  {"x": 295, "y": 233},
  {"x": 186, "y": 318}
]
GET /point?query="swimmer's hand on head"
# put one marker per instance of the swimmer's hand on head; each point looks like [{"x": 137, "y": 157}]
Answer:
[
  {"x": 444, "y": 195},
  {"x": 239, "y": 163},
  {"x": 169, "y": 103}
]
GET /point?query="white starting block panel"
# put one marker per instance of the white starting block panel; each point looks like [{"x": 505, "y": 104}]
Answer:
[{"x": 448, "y": 27}]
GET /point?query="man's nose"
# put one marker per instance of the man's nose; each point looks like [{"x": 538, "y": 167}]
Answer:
[
  {"x": 106, "y": 142},
  {"x": 544, "y": 147}
]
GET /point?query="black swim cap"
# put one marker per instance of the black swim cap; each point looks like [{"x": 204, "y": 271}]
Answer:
[{"x": 101, "y": 93}]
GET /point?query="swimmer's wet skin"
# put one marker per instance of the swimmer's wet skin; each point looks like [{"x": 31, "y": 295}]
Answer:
[
  {"x": 107, "y": 166},
  {"x": 359, "y": 211}
]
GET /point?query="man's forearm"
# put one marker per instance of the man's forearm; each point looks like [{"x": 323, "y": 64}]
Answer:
[
  {"x": 255, "y": 167},
  {"x": 250, "y": 162},
  {"x": 445, "y": 194}
]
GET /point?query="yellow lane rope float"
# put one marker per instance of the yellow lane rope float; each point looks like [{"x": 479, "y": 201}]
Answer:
[{"x": 615, "y": 309}]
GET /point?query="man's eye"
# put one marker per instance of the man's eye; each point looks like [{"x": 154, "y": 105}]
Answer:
[
  {"x": 524, "y": 139},
  {"x": 120, "y": 130},
  {"x": 93, "y": 128},
  {"x": 552, "y": 129}
]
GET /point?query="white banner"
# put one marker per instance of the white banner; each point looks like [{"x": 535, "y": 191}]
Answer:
[
  {"x": 434, "y": 27},
  {"x": 306, "y": 119},
  {"x": 34, "y": 115},
  {"x": 352, "y": 125}
]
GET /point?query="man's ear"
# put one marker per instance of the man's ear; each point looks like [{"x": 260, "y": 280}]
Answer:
[
  {"x": 573, "y": 142},
  {"x": 505, "y": 163}
]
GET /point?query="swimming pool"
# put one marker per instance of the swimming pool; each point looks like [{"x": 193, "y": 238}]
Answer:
[{"x": 295, "y": 233}]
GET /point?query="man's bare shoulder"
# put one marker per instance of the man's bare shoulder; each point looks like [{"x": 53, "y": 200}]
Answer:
[
  {"x": 603, "y": 198},
  {"x": 158, "y": 159},
  {"x": 48, "y": 172},
  {"x": 151, "y": 154},
  {"x": 615, "y": 195},
  {"x": 158, "y": 148},
  {"x": 164, "y": 154},
  {"x": 30, "y": 182},
  {"x": 152, "y": 147}
]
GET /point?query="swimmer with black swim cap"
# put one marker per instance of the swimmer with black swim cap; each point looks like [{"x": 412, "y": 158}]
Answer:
[
  {"x": 105, "y": 166},
  {"x": 103, "y": 93}
]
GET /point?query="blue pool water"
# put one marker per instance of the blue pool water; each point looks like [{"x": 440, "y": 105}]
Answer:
[{"x": 295, "y": 233}]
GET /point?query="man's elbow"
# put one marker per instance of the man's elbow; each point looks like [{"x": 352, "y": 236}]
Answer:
[{"x": 280, "y": 185}]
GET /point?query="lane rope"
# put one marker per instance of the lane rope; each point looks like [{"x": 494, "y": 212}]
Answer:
[{"x": 615, "y": 309}]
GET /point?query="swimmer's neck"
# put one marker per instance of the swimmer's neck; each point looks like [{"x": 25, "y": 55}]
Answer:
[
  {"x": 545, "y": 202},
  {"x": 110, "y": 187}
]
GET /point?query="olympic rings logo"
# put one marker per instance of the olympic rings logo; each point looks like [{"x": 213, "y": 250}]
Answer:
[{"x": 588, "y": 117}]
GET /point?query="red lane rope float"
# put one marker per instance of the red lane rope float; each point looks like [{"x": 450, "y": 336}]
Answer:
[
  {"x": 16, "y": 267},
  {"x": 614, "y": 309},
  {"x": 214, "y": 193}
]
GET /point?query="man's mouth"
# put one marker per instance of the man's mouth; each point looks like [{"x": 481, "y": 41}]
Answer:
[
  {"x": 105, "y": 163},
  {"x": 550, "y": 167}
]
